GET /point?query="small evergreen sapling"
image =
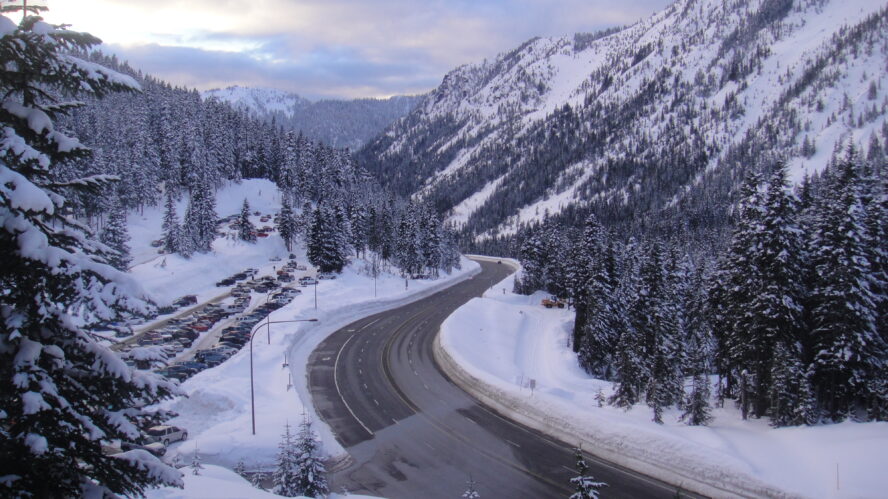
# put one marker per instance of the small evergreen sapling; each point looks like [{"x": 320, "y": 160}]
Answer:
[
  {"x": 585, "y": 484},
  {"x": 471, "y": 492},
  {"x": 196, "y": 465}
]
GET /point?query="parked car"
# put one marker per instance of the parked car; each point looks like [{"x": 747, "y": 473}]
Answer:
[
  {"x": 185, "y": 301},
  {"x": 326, "y": 275},
  {"x": 156, "y": 448},
  {"x": 165, "y": 434},
  {"x": 157, "y": 243}
]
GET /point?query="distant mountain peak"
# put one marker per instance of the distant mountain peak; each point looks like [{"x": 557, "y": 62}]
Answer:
[{"x": 339, "y": 123}]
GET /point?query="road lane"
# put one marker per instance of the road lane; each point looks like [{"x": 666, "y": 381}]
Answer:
[{"x": 412, "y": 433}]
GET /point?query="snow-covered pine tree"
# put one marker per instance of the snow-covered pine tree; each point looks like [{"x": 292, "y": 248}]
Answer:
[
  {"x": 653, "y": 315},
  {"x": 171, "y": 229},
  {"x": 850, "y": 352},
  {"x": 196, "y": 465},
  {"x": 776, "y": 306},
  {"x": 585, "y": 484},
  {"x": 200, "y": 218},
  {"x": 285, "y": 478},
  {"x": 630, "y": 359},
  {"x": 471, "y": 490},
  {"x": 115, "y": 235},
  {"x": 697, "y": 409},
  {"x": 287, "y": 224},
  {"x": 245, "y": 229},
  {"x": 735, "y": 284},
  {"x": 311, "y": 473},
  {"x": 324, "y": 243},
  {"x": 62, "y": 394},
  {"x": 241, "y": 468},
  {"x": 257, "y": 479}
]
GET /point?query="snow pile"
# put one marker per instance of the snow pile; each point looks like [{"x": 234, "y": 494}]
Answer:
[
  {"x": 217, "y": 410},
  {"x": 506, "y": 342},
  {"x": 218, "y": 483}
]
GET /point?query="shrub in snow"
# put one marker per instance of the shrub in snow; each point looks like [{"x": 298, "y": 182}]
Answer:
[
  {"x": 62, "y": 394},
  {"x": 585, "y": 484}
]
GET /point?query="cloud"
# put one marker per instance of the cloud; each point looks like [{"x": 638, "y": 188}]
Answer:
[{"x": 330, "y": 48}]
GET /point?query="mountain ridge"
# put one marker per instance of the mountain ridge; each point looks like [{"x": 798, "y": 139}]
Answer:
[
  {"x": 338, "y": 123},
  {"x": 665, "y": 114}
]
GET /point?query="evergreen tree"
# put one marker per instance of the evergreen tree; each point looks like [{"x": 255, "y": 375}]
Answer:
[
  {"x": 585, "y": 484},
  {"x": 61, "y": 392},
  {"x": 287, "y": 224},
  {"x": 200, "y": 218},
  {"x": 471, "y": 492},
  {"x": 257, "y": 479},
  {"x": 286, "y": 477},
  {"x": 245, "y": 229},
  {"x": 324, "y": 243},
  {"x": 776, "y": 307},
  {"x": 115, "y": 235},
  {"x": 850, "y": 351},
  {"x": 697, "y": 410},
  {"x": 311, "y": 474},
  {"x": 241, "y": 468},
  {"x": 171, "y": 229},
  {"x": 196, "y": 465}
]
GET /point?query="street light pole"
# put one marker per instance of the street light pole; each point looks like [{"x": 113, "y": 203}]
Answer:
[{"x": 252, "y": 390}]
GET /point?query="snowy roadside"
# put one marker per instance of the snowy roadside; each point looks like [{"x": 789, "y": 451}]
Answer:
[
  {"x": 217, "y": 410},
  {"x": 495, "y": 345},
  {"x": 219, "y": 483}
]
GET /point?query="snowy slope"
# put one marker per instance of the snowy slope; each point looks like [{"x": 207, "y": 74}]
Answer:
[
  {"x": 688, "y": 96},
  {"x": 167, "y": 277},
  {"x": 219, "y": 483},
  {"x": 505, "y": 340}
]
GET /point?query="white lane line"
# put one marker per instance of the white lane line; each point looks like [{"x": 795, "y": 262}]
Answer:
[
  {"x": 365, "y": 386},
  {"x": 426, "y": 386},
  {"x": 429, "y": 445},
  {"x": 360, "y": 371},
  {"x": 470, "y": 419},
  {"x": 569, "y": 469},
  {"x": 336, "y": 382},
  {"x": 512, "y": 443},
  {"x": 369, "y": 324},
  {"x": 376, "y": 402}
]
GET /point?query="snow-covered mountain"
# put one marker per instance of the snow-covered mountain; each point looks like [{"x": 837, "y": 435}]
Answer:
[
  {"x": 260, "y": 101},
  {"x": 338, "y": 123},
  {"x": 663, "y": 115}
]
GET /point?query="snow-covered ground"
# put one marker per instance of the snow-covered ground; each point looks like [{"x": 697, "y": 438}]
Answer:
[
  {"x": 218, "y": 483},
  {"x": 167, "y": 277},
  {"x": 507, "y": 340}
]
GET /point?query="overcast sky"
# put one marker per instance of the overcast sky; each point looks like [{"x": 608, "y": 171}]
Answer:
[{"x": 328, "y": 48}]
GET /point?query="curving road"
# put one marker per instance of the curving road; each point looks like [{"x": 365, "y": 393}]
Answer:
[{"x": 412, "y": 433}]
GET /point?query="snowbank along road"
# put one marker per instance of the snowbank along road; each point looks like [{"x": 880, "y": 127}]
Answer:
[{"x": 411, "y": 432}]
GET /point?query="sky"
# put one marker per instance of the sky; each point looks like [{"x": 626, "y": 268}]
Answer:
[{"x": 328, "y": 48}]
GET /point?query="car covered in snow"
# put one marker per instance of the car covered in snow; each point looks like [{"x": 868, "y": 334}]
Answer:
[{"x": 165, "y": 434}]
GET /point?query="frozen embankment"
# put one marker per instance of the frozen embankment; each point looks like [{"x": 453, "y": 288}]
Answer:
[{"x": 497, "y": 346}]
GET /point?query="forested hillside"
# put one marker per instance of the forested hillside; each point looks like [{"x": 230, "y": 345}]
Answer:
[{"x": 651, "y": 127}]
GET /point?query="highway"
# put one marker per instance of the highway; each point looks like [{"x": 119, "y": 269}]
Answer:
[{"x": 412, "y": 433}]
